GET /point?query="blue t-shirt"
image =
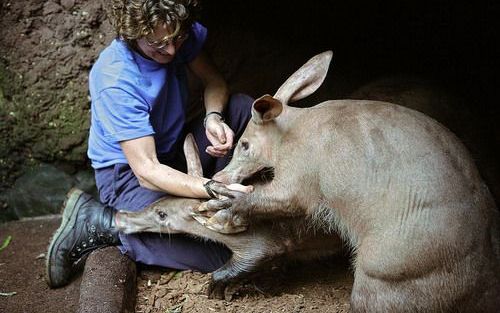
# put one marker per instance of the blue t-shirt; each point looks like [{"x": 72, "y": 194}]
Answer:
[{"x": 133, "y": 97}]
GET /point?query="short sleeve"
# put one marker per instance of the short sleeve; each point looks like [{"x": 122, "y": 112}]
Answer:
[
  {"x": 121, "y": 115},
  {"x": 193, "y": 44}
]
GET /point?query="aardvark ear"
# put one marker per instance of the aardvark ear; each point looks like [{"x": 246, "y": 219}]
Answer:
[
  {"x": 192, "y": 156},
  {"x": 265, "y": 109},
  {"x": 306, "y": 79}
]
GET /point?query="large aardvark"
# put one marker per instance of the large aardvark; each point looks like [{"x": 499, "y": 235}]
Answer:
[{"x": 399, "y": 186}]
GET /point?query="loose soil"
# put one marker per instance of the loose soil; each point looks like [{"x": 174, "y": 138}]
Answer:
[{"x": 318, "y": 286}]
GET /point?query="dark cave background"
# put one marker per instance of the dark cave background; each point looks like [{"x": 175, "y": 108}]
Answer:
[
  {"x": 451, "y": 45},
  {"x": 450, "y": 42}
]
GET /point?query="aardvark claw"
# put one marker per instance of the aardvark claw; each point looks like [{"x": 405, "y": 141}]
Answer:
[{"x": 226, "y": 223}]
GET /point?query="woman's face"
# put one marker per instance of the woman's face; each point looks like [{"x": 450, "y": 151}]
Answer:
[{"x": 162, "y": 51}]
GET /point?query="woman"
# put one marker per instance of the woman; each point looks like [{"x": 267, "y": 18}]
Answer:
[{"x": 138, "y": 91}]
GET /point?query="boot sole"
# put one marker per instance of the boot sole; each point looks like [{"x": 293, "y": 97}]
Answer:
[{"x": 67, "y": 223}]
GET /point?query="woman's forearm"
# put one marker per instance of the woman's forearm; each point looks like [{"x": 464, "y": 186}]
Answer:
[
  {"x": 216, "y": 91},
  {"x": 141, "y": 156},
  {"x": 160, "y": 177},
  {"x": 216, "y": 95}
]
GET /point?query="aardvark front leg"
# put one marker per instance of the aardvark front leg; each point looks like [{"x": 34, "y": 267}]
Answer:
[{"x": 235, "y": 209}]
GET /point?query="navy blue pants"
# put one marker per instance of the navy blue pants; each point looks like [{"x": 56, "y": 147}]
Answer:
[{"x": 119, "y": 188}]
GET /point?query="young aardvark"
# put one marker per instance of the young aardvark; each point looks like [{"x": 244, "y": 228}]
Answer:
[
  {"x": 399, "y": 186},
  {"x": 293, "y": 238}
]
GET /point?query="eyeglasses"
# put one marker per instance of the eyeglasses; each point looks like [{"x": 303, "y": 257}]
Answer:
[{"x": 160, "y": 44}]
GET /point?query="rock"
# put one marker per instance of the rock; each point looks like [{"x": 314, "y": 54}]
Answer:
[
  {"x": 85, "y": 181},
  {"x": 40, "y": 191}
]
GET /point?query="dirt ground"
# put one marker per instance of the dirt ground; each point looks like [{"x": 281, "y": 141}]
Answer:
[
  {"x": 22, "y": 270},
  {"x": 317, "y": 286}
]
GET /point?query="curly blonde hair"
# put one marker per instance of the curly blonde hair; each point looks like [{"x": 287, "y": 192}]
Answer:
[{"x": 133, "y": 19}]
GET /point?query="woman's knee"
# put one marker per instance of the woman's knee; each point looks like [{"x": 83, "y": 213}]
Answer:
[
  {"x": 240, "y": 103},
  {"x": 238, "y": 111}
]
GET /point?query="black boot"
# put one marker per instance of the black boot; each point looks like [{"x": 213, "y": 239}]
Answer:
[{"x": 86, "y": 225}]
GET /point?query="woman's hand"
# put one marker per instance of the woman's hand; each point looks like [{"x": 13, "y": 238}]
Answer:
[
  {"x": 216, "y": 95},
  {"x": 218, "y": 214},
  {"x": 224, "y": 195},
  {"x": 220, "y": 136}
]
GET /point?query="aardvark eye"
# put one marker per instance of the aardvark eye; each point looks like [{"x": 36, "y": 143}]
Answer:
[
  {"x": 244, "y": 144},
  {"x": 162, "y": 215}
]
